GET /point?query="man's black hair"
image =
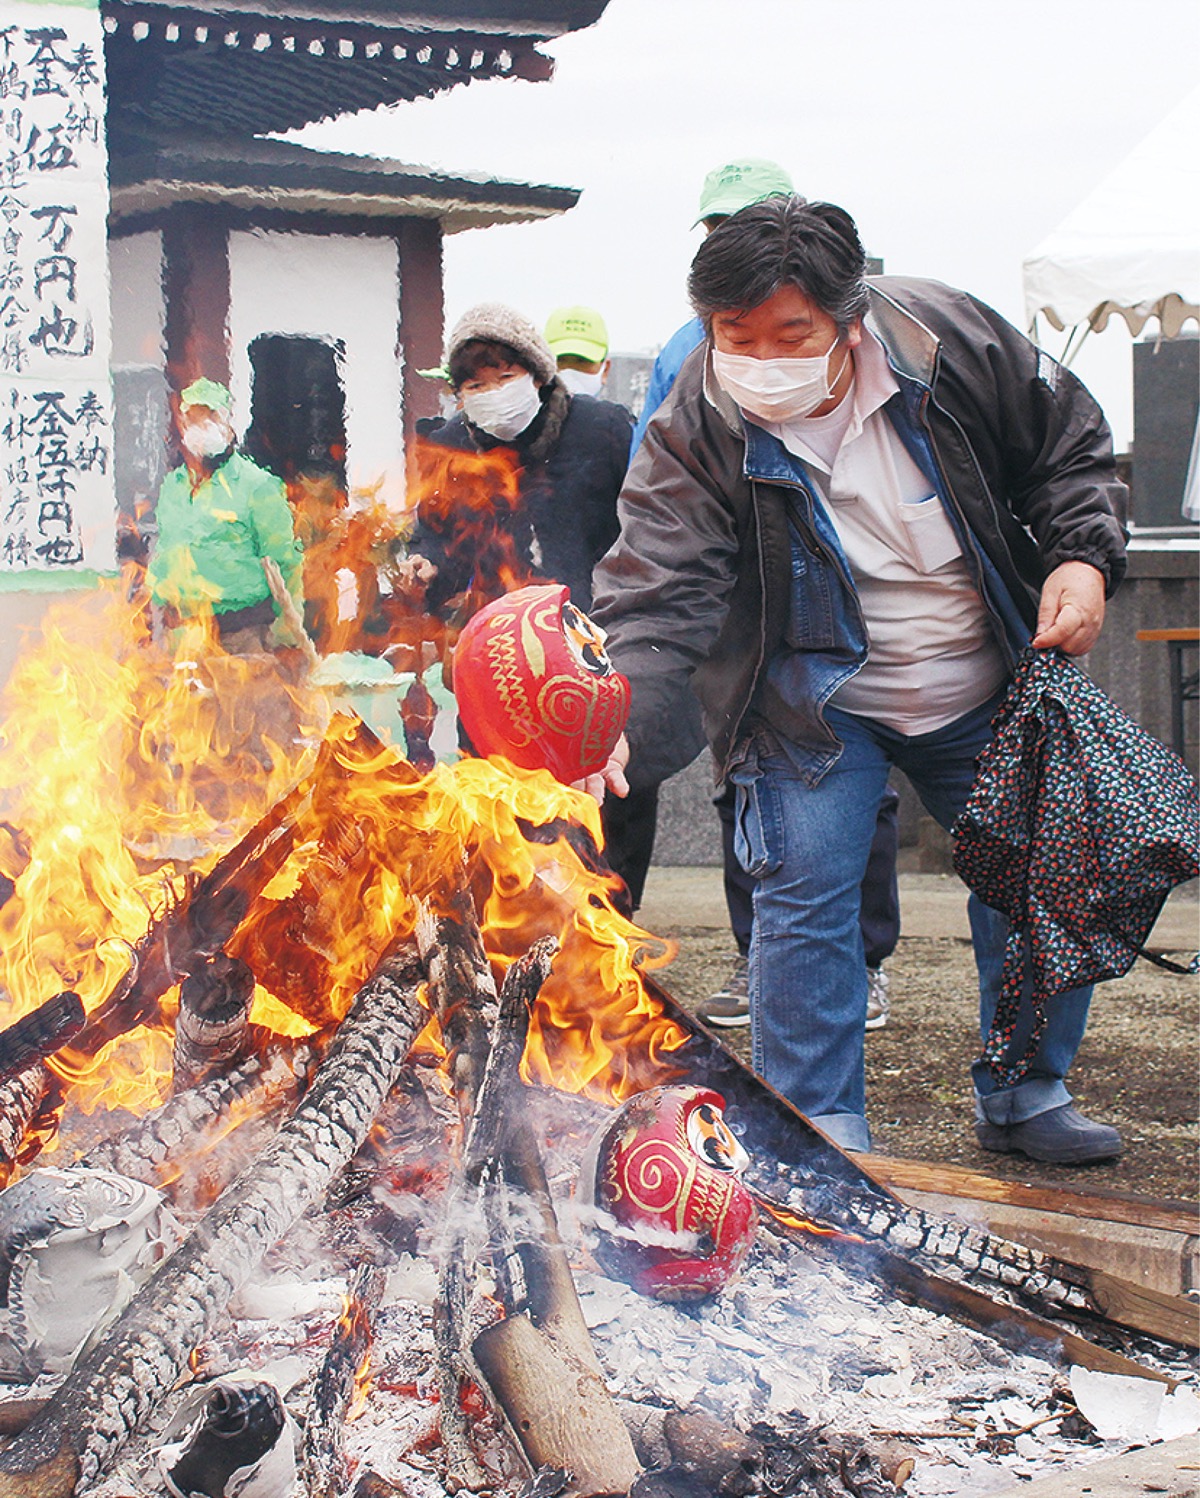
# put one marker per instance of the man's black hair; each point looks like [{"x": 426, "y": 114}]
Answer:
[
  {"x": 482, "y": 353},
  {"x": 779, "y": 242}
]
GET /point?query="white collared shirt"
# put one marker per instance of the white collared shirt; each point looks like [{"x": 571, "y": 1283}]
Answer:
[{"x": 932, "y": 653}]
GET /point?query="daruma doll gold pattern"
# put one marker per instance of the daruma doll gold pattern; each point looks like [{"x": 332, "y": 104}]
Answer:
[{"x": 534, "y": 685}]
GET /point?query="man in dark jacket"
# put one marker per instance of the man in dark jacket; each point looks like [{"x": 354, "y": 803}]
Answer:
[
  {"x": 853, "y": 512},
  {"x": 547, "y": 507}
]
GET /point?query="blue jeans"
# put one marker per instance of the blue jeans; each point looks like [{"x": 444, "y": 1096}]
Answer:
[{"x": 807, "y": 847}]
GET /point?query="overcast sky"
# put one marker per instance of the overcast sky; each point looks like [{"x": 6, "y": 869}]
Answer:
[{"x": 957, "y": 132}]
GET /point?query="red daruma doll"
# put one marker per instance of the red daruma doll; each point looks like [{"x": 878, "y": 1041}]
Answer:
[{"x": 533, "y": 684}]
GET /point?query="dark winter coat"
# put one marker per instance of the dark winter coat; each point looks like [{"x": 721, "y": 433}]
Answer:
[
  {"x": 699, "y": 587},
  {"x": 570, "y": 465}
]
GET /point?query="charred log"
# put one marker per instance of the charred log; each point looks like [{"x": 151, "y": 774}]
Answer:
[
  {"x": 693, "y": 1446},
  {"x": 538, "y": 1364},
  {"x": 214, "y": 1012},
  {"x": 462, "y": 994},
  {"x": 187, "y": 1126},
  {"x": 112, "y": 1388},
  {"x": 40, "y": 1033},
  {"x": 462, "y": 991},
  {"x": 20, "y": 1098},
  {"x": 323, "y": 1460},
  {"x": 1036, "y": 1281}
]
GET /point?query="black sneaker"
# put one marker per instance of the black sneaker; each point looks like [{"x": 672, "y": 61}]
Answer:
[
  {"x": 729, "y": 1006},
  {"x": 1060, "y": 1136}
]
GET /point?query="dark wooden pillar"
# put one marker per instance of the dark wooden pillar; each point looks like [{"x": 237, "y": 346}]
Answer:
[
  {"x": 195, "y": 270},
  {"x": 422, "y": 315}
]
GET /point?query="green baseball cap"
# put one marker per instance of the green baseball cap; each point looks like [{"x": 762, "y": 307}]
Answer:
[
  {"x": 737, "y": 184},
  {"x": 208, "y": 393},
  {"x": 579, "y": 331}
]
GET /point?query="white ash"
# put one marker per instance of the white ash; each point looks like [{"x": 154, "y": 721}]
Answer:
[{"x": 796, "y": 1331}]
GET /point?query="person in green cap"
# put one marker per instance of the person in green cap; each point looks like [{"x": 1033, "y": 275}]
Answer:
[
  {"x": 578, "y": 339},
  {"x": 726, "y": 189},
  {"x": 219, "y": 516}
]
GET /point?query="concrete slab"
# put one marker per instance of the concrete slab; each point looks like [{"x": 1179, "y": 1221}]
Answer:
[{"x": 1170, "y": 1470}]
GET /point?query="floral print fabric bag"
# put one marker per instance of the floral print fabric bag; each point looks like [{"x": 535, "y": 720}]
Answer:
[{"x": 1078, "y": 826}]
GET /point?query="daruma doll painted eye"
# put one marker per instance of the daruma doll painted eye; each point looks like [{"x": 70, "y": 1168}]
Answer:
[
  {"x": 534, "y": 685},
  {"x": 676, "y": 1222}
]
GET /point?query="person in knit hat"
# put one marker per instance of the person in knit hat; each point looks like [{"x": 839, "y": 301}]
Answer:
[
  {"x": 549, "y": 510},
  {"x": 561, "y": 451}
]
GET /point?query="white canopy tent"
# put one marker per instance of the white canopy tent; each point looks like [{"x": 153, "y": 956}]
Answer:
[{"x": 1131, "y": 247}]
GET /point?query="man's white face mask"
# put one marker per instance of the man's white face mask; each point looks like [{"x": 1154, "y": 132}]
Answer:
[
  {"x": 582, "y": 381},
  {"x": 206, "y": 439},
  {"x": 777, "y": 389},
  {"x": 505, "y": 411}
]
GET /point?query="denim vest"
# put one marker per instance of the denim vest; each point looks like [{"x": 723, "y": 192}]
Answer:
[{"x": 826, "y": 638}]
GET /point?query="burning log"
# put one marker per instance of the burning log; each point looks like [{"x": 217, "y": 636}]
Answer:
[
  {"x": 462, "y": 991},
  {"x": 214, "y": 1012},
  {"x": 195, "y": 927},
  {"x": 40, "y": 1033},
  {"x": 20, "y": 1098},
  {"x": 323, "y": 1461},
  {"x": 113, "y": 1387},
  {"x": 157, "y": 1148},
  {"x": 539, "y": 1363},
  {"x": 1047, "y": 1285}
]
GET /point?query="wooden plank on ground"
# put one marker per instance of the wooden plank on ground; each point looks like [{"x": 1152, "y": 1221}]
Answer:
[{"x": 1141, "y": 1243}]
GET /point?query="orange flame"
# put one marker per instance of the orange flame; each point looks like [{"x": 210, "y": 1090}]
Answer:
[
  {"x": 796, "y": 1223},
  {"x": 128, "y": 763}
]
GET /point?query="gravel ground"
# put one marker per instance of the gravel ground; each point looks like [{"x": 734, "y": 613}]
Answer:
[{"x": 1137, "y": 1069}]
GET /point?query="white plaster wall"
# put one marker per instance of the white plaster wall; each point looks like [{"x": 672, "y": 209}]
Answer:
[
  {"x": 135, "y": 270},
  {"x": 328, "y": 286}
]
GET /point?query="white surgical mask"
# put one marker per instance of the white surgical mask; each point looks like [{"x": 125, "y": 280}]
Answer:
[
  {"x": 581, "y": 382},
  {"x": 206, "y": 439},
  {"x": 776, "y": 389},
  {"x": 505, "y": 411}
]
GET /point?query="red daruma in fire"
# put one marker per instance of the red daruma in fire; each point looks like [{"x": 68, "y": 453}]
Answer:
[
  {"x": 533, "y": 684},
  {"x": 676, "y": 1221}
]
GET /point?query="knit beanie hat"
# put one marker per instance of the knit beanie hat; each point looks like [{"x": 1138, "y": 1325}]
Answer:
[{"x": 492, "y": 320}]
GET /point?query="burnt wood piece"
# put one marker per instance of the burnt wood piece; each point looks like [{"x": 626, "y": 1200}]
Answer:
[
  {"x": 198, "y": 925},
  {"x": 539, "y": 1364},
  {"x": 323, "y": 1457},
  {"x": 15, "y": 1414},
  {"x": 1091, "y": 1207},
  {"x": 20, "y": 1098},
  {"x": 1010, "y": 1325},
  {"x": 114, "y": 1386},
  {"x": 370, "y": 1485},
  {"x": 462, "y": 991},
  {"x": 462, "y": 994},
  {"x": 715, "y": 1457},
  {"x": 40, "y": 1033},
  {"x": 214, "y": 1013},
  {"x": 1039, "y": 1281},
  {"x": 188, "y": 1125}
]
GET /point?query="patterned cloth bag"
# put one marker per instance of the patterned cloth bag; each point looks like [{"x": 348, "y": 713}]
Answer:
[{"x": 1078, "y": 826}]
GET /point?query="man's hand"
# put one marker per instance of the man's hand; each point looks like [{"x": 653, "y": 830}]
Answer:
[
  {"x": 611, "y": 777},
  {"x": 414, "y": 573},
  {"x": 1071, "y": 609}
]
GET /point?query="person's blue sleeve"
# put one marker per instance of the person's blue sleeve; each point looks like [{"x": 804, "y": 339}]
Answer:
[{"x": 662, "y": 376}]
